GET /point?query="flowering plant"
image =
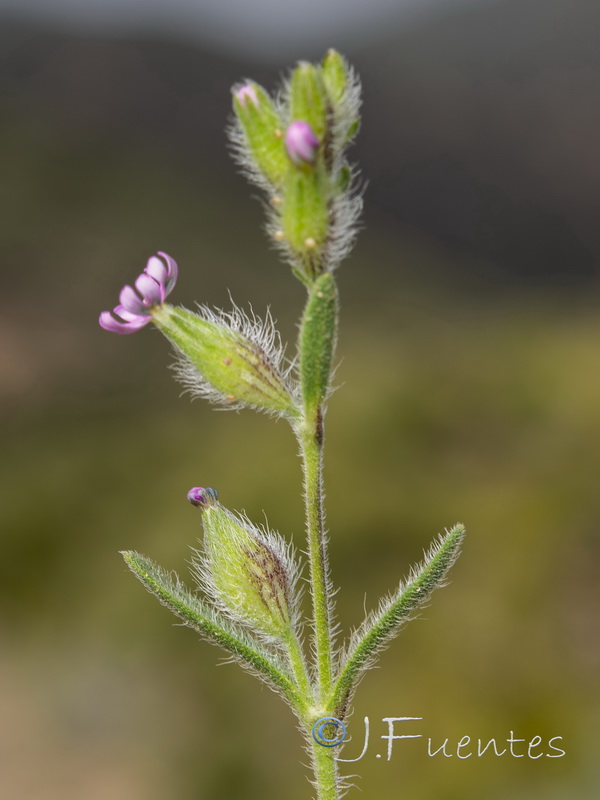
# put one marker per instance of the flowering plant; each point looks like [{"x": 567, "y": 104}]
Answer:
[{"x": 294, "y": 148}]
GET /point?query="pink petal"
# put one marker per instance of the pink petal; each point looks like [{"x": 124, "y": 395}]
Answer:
[
  {"x": 157, "y": 270},
  {"x": 152, "y": 292},
  {"x": 131, "y": 301},
  {"x": 172, "y": 272},
  {"x": 122, "y": 313},
  {"x": 110, "y": 323}
]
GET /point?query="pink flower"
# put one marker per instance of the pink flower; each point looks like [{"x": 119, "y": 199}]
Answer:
[{"x": 135, "y": 305}]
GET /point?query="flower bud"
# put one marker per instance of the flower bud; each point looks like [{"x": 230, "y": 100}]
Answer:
[
  {"x": 229, "y": 359},
  {"x": 246, "y": 93},
  {"x": 200, "y": 497},
  {"x": 248, "y": 571},
  {"x": 301, "y": 143},
  {"x": 258, "y": 137}
]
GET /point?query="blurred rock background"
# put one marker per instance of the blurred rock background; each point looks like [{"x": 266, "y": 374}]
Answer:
[{"x": 469, "y": 389}]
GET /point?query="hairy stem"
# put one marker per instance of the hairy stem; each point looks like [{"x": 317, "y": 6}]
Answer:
[
  {"x": 316, "y": 345},
  {"x": 325, "y": 768},
  {"x": 298, "y": 665},
  {"x": 311, "y": 448}
]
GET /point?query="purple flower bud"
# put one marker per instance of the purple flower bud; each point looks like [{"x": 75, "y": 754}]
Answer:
[
  {"x": 134, "y": 310},
  {"x": 198, "y": 496},
  {"x": 246, "y": 92},
  {"x": 301, "y": 142}
]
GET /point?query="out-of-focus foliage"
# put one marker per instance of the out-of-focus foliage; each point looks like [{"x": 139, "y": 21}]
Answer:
[{"x": 465, "y": 394}]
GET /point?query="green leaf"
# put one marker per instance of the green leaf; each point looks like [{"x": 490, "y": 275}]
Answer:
[
  {"x": 213, "y": 627},
  {"x": 382, "y": 625},
  {"x": 318, "y": 333}
]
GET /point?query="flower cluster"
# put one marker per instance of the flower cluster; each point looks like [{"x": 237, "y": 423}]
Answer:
[
  {"x": 293, "y": 145},
  {"x": 135, "y": 305}
]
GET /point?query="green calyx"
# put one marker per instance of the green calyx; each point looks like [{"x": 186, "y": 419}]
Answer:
[
  {"x": 248, "y": 571},
  {"x": 343, "y": 105},
  {"x": 224, "y": 363},
  {"x": 308, "y": 99},
  {"x": 305, "y": 216},
  {"x": 334, "y": 71},
  {"x": 263, "y": 131}
]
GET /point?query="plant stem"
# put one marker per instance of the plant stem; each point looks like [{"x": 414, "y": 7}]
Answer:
[
  {"x": 298, "y": 664},
  {"x": 311, "y": 448},
  {"x": 316, "y": 346},
  {"x": 325, "y": 768}
]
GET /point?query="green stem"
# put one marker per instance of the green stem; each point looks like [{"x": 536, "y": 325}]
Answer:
[
  {"x": 311, "y": 448},
  {"x": 316, "y": 345},
  {"x": 298, "y": 664},
  {"x": 325, "y": 768}
]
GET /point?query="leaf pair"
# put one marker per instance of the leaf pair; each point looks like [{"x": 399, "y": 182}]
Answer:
[{"x": 250, "y": 580}]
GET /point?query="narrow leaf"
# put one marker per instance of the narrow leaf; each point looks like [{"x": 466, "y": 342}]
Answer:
[
  {"x": 382, "y": 625},
  {"x": 212, "y": 626},
  {"x": 316, "y": 343}
]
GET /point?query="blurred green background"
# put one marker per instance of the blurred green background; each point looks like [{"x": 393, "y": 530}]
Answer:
[{"x": 469, "y": 389}]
